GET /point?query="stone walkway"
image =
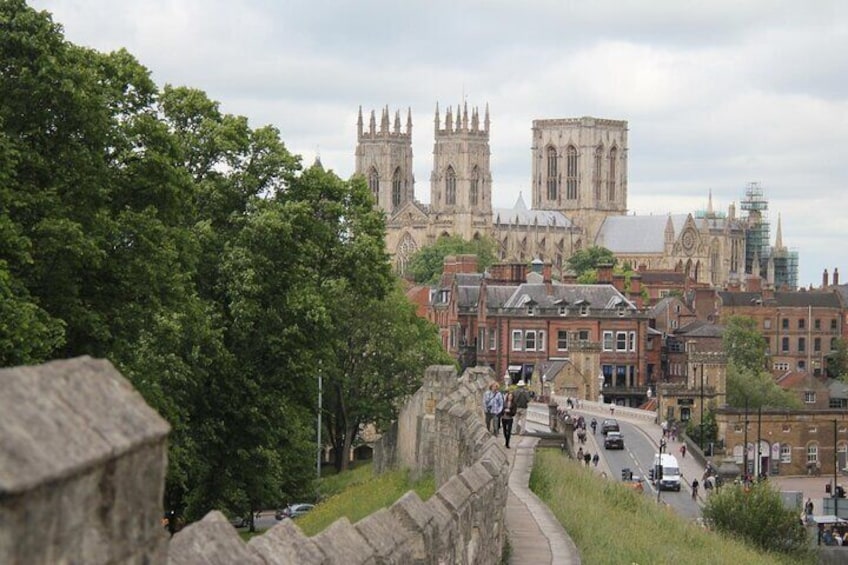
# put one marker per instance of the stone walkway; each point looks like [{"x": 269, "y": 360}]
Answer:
[{"x": 535, "y": 535}]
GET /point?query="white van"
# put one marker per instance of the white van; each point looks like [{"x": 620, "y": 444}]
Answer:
[{"x": 670, "y": 472}]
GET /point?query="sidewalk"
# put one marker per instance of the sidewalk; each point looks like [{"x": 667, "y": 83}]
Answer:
[{"x": 535, "y": 535}]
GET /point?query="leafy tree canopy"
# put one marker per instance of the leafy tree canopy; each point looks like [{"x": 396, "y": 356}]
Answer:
[
  {"x": 427, "y": 264},
  {"x": 585, "y": 262},
  {"x": 837, "y": 361}
]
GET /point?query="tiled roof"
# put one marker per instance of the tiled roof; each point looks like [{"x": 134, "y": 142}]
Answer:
[
  {"x": 789, "y": 299},
  {"x": 597, "y": 295}
]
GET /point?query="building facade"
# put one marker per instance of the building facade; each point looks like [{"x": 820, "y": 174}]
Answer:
[{"x": 579, "y": 189}]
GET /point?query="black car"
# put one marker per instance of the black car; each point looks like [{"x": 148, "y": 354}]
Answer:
[
  {"x": 614, "y": 440},
  {"x": 609, "y": 425}
]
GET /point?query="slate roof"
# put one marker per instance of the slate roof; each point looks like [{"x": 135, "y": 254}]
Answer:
[
  {"x": 496, "y": 296},
  {"x": 837, "y": 388},
  {"x": 789, "y": 299},
  {"x": 637, "y": 234},
  {"x": 700, "y": 328},
  {"x": 597, "y": 295}
]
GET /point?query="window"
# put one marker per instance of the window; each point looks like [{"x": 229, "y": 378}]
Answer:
[
  {"x": 632, "y": 345},
  {"x": 613, "y": 155},
  {"x": 833, "y": 325},
  {"x": 562, "y": 340},
  {"x": 767, "y": 323},
  {"x": 781, "y": 366},
  {"x": 517, "y": 339},
  {"x": 596, "y": 171},
  {"x": 768, "y": 344},
  {"x": 452, "y": 338},
  {"x": 531, "y": 310},
  {"x": 493, "y": 339},
  {"x": 809, "y": 397},
  {"x": 802, "y": 366},
  {"x": 563, "y": 310},
  {"x": 474, "y": 189},
  {"x": 571, "y": 173},
  {"x": 450, "y": 187},
  {"x": 396, "y": 192},
  {"x": 530, "y": 340},
  {"x": 607, "y": 341},
  {"x": 812, "y": 453},
  {"x": 583, "y": 335},
  {"x": 481, "y": 339},
  {"x": 784, "y": 323},
  {"x": 817, "y": 324},
  {"x": 621, "y": 341},
  {"x": 802, "y": 344},
  {"x": 802, "y": 323},
  {"x": 833, "y": 344},
  {"x": 553, "y": 175},
  {"x": 785, "y": 453},
  {"x": 584, "y": 309},
  {"x": 817, "y": 344},
  {"x": 374, "y": 184},
  {"x": 784, "y": 345},
  {"x": 541, "y": 346},
  {"x": 621, "y": 311}
]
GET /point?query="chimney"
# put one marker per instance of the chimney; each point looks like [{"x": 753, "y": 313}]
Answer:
[
  {"x": 824, "y": 279},
  {"x": 618, "y": 281},
  {"x": 835, "y": 276},
  {"x": 605, "y": 273},
  {"x": 636, "y": 289}
]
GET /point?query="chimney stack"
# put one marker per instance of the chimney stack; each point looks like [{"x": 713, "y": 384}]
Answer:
[
  {"x": 835, "y": 276},
  {"x": 824, "y": 279}
]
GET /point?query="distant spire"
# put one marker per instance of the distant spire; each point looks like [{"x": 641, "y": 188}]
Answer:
[
  {"x": 397, "y": 121},
  {"x": 438, "y": 120},
  {"x": 449, "y": 119},
  {"x": 486, "y": 120},
  {"x": 755, "y": 264},
  {"x": 359, "y": 123},
  {"x": 465, "y": 116},
  {"x": 710, "y": 205},
  {"x": 778, "y": 240},
  {"x": 409, "y": 121},
  {"x": 372, "y": 126}
]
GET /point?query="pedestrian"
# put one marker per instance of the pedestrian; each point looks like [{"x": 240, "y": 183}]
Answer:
[
  {"x": 612, "y": 409},
  {"x": 694, "y": 489},
  {"x": 683, "y": 450},
  {"x": 594, "y": 425},
  {"x": 580, "y": 454},
  {"x": 587, "y": 458},
  {"x": 709, "y": 483},
  {"x": 507, "y": 416},
  {"x": 493, "y": 405},
  {"x": 664, "y": 427},
  {"x": 595, "y": 459},
  {"x": 522, "y": 399},
  {"x": 808, "y": 507},
  {"x": 674, "y": 432}
]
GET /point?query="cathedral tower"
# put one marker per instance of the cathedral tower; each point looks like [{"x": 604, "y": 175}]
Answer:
[
  {"x": 461, "y": 181},
  {"x": 579, "y": 167},
  {"x": 384, "y": 158}
]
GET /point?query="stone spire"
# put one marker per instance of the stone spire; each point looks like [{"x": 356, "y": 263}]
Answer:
[
  {"x": 438, "y": 119},
  {"x": 778, "y": 240},
  {"x": 397, "y": 121},
  {"x": 710, "y": 212},
  {"x": 372, "y": 126},
  {"x": 409, "y": 121},
  {"x": 359, "y": 123},
  {"x": 486, "y": 119},
  {"x": 384, "y": 121}
]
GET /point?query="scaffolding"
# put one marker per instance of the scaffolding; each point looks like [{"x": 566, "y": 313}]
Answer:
[{"x": 757, "y": 233}]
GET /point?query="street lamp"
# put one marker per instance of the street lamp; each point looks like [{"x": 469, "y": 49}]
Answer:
[{"x": 320, "y": 404}]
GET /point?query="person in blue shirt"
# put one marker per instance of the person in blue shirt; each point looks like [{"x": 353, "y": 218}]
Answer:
[{"x": 493, "y": 406}]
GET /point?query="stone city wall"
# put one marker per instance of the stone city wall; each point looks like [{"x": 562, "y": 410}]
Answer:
[{"x": 84, "y": 457}]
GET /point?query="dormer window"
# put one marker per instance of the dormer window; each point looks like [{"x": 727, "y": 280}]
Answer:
[
  {"x": 584, "y": 309},
  {"x": 563, "y": 310},
  {"x": 621, "y": 310},
  {"x": 531, "y": 310}
]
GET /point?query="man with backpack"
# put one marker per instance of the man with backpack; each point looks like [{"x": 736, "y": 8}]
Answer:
[{"x": 522, "y": 399}]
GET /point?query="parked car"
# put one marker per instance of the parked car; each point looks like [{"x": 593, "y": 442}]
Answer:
[
  {"x": 294, "y": 510},
  {"x": 614, "y": 440},
  {"x": 609, "y": 425},
  {"x": 240, "y": 522}
]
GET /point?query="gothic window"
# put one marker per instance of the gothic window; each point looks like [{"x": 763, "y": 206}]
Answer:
[
  {"x": 571, "y": 172},
  {"x": 450, "y": 187},
  {"x": 405, "y": 250},
  {"x": 474, "y": 190},
  {"x": 374, "y": 184},
  {"x": 596, "y": 173},
  {"x": 613, "y": 155},
  {"x": 396, "y": 192},
  {"x": 552, "y": 173}
]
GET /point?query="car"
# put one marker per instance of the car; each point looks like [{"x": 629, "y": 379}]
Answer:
[
  {"x": 609, "y": 425},
  {"x": 614, "y": 440},
  {"x": 240, "y": 522},
  {"x": 294, "y": 510}
]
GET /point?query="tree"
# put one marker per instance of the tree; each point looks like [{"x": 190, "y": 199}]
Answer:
[
  {"x": 837, "y": 361},
  {"x": 381, "y": 348},
  {"x": 744, "y": 345},
  {"x": 756, "y": 513},
  {"x": 426, "y": 264},
  {"x": 585, "y": 262}
]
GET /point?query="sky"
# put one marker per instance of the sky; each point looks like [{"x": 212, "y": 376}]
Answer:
[{"x": 716, "y": 94}]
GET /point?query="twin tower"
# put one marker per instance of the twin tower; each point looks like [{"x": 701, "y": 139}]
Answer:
[{"x": 579, "y": 168}]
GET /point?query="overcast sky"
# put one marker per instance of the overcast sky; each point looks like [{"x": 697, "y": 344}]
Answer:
[{"x": 717, "y": 94}]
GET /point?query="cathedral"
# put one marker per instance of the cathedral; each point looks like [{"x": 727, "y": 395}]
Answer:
[{"x": 578, "y": 199}]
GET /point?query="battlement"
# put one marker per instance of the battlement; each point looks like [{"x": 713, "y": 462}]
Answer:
[
  {"x": 463, "y": 125},
  {"x": 385, "y": 132},
  {"x": 585, "y": 121}
]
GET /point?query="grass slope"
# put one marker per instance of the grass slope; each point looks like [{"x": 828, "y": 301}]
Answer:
[{"x": 610, "y": 523}]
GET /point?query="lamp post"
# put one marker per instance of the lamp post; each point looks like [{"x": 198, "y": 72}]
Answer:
[
  {"x": 835, "y": 491},
  {"x": 701, "y": 437},
  {"x": 320, "y": 404}
]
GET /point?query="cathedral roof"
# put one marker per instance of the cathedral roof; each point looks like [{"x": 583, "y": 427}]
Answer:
[
  {"x": 637, "y": 234},
  {"x": 521, "y": 215}
]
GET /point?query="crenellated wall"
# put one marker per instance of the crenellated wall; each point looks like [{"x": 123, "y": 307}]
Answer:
[{"x": 84, "y": 457}]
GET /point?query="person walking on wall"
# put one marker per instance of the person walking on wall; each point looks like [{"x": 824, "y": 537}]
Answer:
[
  {"x": 493, "y": 405},
  {"x": 522, "y": 399},
  {"x": 683, "y": 450},
  {"x": 508, "y": 416},
  {"x": 694, "y": 489}
]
